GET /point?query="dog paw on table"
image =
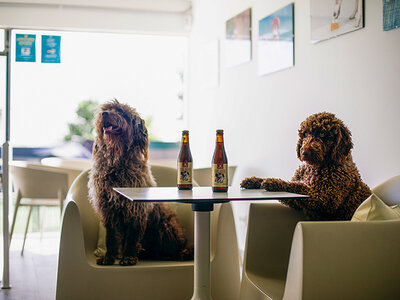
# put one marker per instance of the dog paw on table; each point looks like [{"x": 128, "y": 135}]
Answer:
[
  {"x": 251, "y": 183},
  {"x": 273, "y": 185}
]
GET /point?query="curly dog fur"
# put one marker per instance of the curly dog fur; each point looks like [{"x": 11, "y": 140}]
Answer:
[
  {"x": 329, "y": 175},
  {"x": 120, "y": 155}
]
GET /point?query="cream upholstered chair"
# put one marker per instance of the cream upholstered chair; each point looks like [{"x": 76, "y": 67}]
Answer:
[
  {"x": 389, "y": 191},
  {"x": 72, "y": 173},
  {"x": 37, "y": 187},
  {"x": 287, "y": 258},
  {"x": 203, "y": 175},
  {"x": 79, "y": 277}
]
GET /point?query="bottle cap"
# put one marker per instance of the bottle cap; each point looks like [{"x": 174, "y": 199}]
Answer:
[
  {"x": 185, "y": 131},
  {"x": 220, "y": 131}
]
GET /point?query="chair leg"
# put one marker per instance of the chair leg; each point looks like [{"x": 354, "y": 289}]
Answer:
[
  {"x": 17, "y": 205},
  {"x": 26, "y": 229},
  {"x": 43, "y": 209}
]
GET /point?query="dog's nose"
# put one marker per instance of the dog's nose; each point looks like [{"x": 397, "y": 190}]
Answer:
[
  {"x": 306, "y": 154},
  {"x": 104, "y": 113}
]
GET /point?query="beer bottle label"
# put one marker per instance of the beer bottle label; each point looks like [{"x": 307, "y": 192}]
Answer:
[
  {"x": 185, "y": 172},
  {"x": 220, "y": 175}
]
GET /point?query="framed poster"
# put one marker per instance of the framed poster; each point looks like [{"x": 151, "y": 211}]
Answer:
[
  {"x": 331, "y": 18},
  {"x": 25, "y": 49},
  {"x": 51, "y": 49},
  {"x": 391, "y": 14},
  {"x": 238, "y": 39},
  {"x": 276, "y": 41}
]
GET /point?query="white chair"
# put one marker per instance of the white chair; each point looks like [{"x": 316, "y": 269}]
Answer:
[
  {"x": 203, "y": 175},
  {"x": 147, "y": 279},
  {"x": 37, "y": 187},
  {"x": 72, "y": 173},
  {"x": 287, "y": 258}
]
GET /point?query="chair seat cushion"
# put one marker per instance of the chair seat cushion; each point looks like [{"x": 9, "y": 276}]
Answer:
[{"x": 374, "y": 209}]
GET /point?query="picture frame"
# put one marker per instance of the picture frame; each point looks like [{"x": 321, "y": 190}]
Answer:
[
  {"x": 276, "y": 41},
  {"x": 332, "y": 18},
  {"x": 391, "y": 14},
  {"x": 238, "y": 44}
]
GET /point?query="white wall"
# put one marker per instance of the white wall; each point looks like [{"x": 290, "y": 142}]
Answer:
[{"x": 356, "y": 76}]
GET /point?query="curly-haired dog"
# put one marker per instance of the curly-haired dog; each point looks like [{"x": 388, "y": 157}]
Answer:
[
  {"x": 329, "y": 175},
  {"x": 120, "y": 154}
]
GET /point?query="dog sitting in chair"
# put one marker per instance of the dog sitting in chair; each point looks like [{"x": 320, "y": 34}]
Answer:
[
  {"x": 133, "y": 229},
  {"x": 328, "y": 175}
]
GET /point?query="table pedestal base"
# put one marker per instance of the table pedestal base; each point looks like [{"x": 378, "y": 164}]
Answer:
[{"x": 202, "y": 270}]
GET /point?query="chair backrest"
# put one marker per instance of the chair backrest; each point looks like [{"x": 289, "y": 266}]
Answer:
[
  {"x": 77, "y": 164},
  {"x": 72, "y": 173},
  {"x": 37, "y": 183},
  {"x": 203, "y": 175},
  {"x": 167, "y": 177},
  {"x": 389, "y": 191},
  {"x": 164, "y": 176}
]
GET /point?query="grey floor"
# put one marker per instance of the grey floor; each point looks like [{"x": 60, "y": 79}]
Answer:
[{"x": 33, "y": 275}]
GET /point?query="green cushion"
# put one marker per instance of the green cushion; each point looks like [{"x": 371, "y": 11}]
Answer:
[{"x": 374, "y": 209}]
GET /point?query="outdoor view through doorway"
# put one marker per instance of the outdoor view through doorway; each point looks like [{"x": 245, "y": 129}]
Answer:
[{"x": 145, "y": 71}]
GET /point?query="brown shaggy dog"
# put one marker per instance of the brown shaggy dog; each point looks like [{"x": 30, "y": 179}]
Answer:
[
  {"x": 328, "y": 175},
  {"x": 120, "y": 154}
]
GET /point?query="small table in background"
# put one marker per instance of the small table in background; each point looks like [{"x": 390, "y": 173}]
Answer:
[{"x": 202, "y": 200}]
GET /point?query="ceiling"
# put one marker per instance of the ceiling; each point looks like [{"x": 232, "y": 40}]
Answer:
[{"x": 173, "y": 6}]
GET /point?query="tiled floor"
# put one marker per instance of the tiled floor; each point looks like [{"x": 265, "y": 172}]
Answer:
[{"x": 33, "y": 275}]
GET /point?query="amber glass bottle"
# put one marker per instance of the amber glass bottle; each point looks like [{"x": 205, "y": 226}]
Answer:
[
  {"x": 220, "y": 165},
  {"x": 185, "y": 164}
]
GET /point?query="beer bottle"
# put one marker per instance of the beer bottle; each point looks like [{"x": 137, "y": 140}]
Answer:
[
  {"x": 185, "y": 164},
  {"x": 219, "y": 165}
]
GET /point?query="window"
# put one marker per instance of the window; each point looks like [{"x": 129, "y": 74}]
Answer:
[{"x": 145, "y": 71}]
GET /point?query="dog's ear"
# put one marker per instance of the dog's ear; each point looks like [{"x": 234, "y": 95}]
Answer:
[
  {"x": 95, "y": 148},
  {"x": 298, "y": 147},
  {"x": 300, "y": 141},
  {"x": 343, "y": 143},
  {"x": 140, "y": 137}
]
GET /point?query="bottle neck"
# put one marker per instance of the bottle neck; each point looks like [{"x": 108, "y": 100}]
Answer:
[
  {"x": 184, "y": 153},
  {"x": 219, "y": 153},
  {"x": 220, "y": 138},
  {"x": 185, "y": 139}
]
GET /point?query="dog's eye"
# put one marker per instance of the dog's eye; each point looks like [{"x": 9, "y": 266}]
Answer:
[
  {"x": 321, "y": 135},
  {"x": 122, "y": 114}
]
